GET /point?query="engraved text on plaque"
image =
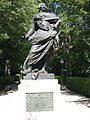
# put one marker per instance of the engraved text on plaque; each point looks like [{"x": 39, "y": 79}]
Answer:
[{"x": 36, "y": 102}]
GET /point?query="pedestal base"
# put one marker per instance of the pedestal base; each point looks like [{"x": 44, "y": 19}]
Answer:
[
  {"x": 40, "y": 99},
  {"x": 40, "y": 76}
]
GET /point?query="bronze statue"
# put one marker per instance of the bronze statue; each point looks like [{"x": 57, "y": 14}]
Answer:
[{"x": 44, "y": 37}]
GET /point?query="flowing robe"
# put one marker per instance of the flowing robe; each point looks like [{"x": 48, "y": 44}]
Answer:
[{"x": 42, "y": 35}]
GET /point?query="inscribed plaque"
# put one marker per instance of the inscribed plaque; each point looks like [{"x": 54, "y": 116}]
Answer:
[{"x": 36, "y": 102}]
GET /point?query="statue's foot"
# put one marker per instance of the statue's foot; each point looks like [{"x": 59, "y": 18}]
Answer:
[
  {"x": 34, "y": 76},
  {"x": 23, "y": 72},
  {"x": 35, "y": 70},
  {"x": 42, "y": 71}
]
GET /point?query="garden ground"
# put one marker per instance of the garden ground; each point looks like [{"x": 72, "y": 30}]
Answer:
[{"x": 72, "y": 106}]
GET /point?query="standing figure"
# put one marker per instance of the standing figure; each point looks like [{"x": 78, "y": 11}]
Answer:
[{"x": 44, "y": 37}]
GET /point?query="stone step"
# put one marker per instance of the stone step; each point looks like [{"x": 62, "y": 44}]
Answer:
[{"x": 31, "y": 76}]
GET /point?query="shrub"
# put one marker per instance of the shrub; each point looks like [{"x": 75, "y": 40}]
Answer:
[
  {"x": 8, "y": 80},
  {"x": 80, "y": 85}
]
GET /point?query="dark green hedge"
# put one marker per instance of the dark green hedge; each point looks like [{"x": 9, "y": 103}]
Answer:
[
  {"x": 8, "y": 80},
  {"x": 80, "y": 85}
]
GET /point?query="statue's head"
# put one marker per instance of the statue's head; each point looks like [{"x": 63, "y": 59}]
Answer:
[{"x": 42, "y": 7}]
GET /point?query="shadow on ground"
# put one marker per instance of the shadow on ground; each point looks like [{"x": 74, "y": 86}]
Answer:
[{"x": 81, "y": 99}]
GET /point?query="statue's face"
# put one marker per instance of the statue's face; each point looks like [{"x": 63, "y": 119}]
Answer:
[{"x": 42, "y": 7}]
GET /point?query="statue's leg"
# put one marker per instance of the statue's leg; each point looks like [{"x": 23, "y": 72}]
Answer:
[
  {"x": 25, "y": 63},
  {"x": 43, "y": 69},
  {"x": 26, "y": 69},
  {"x": 48, "y": 56},
  {"x": 46, "y": 60}
]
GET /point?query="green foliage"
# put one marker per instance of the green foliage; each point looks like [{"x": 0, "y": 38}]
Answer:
[
  {"x": 8, "y": 80},
  {"x": 15, "y": 19},
  {"x": 75, "y": 40},
  {"x": 80, "y": 85}
]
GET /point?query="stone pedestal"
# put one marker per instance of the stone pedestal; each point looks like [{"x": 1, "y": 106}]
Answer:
[
  {"x": 40, "y": 76},
  {"x": 40, "y": 99}
]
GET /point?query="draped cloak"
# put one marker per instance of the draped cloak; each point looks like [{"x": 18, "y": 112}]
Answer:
[{"x": 42, "y": 39}]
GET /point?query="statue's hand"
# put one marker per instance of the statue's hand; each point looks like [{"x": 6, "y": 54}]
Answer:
[
  {"x": 57, "y": 23},
  {"x": 32, "y": 36},
  {"x": 24, "y": 37}
]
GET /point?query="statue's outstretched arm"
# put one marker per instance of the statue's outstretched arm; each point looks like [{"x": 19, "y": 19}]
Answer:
[
  {"x": 57, "y": 23},
  {"x": 31, "y": 31}
]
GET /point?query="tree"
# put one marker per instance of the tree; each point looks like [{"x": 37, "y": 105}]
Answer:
[
  {"x": 75, "y": 28},
  {"x": 74, "y": 48},
  {"x": 15, "y": 21}
]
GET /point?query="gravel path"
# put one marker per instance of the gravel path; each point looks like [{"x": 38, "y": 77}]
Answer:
[{"x": 72, "y": 106}]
